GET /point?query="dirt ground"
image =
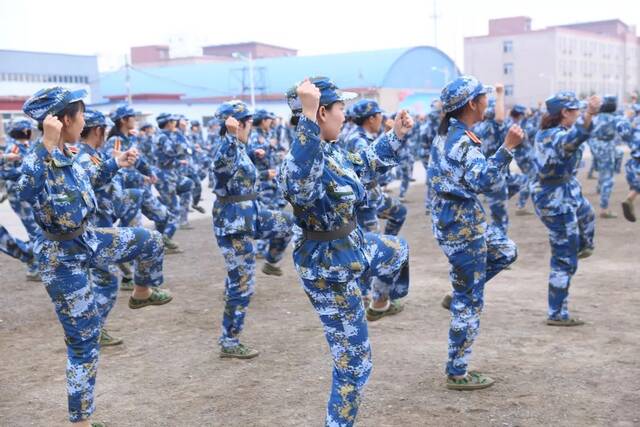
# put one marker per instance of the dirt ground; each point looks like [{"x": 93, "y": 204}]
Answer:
[{"x": 168, "y": 372}]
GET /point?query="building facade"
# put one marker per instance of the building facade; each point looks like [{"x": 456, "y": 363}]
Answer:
[{"x": 600, "y": 57}]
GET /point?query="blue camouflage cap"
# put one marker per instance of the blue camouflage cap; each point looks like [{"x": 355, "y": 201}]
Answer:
[
  {"x": 519, "y": 108},
  {"x": 145, "y": 126},
  {"x": 51, "y": 101},
  {"x": 122, "y": 112},
  {"x": 563, "y": 99},
  {"x": 234, "y": 108},
  {"x": 163, "y": 118},
  {"x": 195, "y": 123},
  {"x": 460, "y": 91},
  {"x": 262, "y": 114},
  {"x": 93, "y": 118},
  {"x": 329, "y": 93},
  {"x": 21, "y": 125},
  {"x": 365, "y": 108}
]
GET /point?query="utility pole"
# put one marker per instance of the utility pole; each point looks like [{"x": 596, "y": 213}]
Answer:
[{"x": 435, "y": 17}]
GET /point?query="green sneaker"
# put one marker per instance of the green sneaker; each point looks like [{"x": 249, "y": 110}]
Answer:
[
  {"x": 394, "y": 308},
  {"x": 271, "y": 269},
  {"x": 198, "y": 208},
  {"x": 628, "y": 211},
  {"x": 186, "y": 226},
  {"x": 98, "y": 424},
  {"x": 585, "y": 253},
  {"x": 472, "y": 381},
  {"x": 157, "y": 297},
  {"x": 240, "y": 351},
  {"x": 171, "y": 247},
  {"x": 572, "y": 321},
  {"x": 107, "y": 340},
  {"x": 126, "y": 284}
]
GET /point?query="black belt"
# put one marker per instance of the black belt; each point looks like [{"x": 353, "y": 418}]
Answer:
[
  {"x": 225, "y": 200},
  {"x": 63, "y": 237},
  {"x": 555, "y": 181},
  {"x": 451, "y": 197},
  {"x": 326, "y": 236}
]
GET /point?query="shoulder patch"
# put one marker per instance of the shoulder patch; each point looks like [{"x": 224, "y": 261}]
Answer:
[{"x": 473, "y": 137}]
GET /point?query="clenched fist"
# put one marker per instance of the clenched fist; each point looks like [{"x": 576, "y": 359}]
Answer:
[
  {"x": 309, "y": 96},
  {"x": 402, "y": 124}
]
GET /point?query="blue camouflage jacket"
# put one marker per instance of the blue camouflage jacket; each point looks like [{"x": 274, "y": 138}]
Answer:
[
  {"x": 323, "y": 183},
  {"x": 458, "y": 172},
  {"x": 558, "y": 152},
  {"x": 59, "y": 189},
  {"x": 234, "y": 174}
]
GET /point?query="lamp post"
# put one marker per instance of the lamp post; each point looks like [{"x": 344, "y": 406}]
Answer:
[{"x": 249, "y": 59}]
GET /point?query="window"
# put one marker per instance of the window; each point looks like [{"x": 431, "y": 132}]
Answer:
[
  {"x": 508, "y": 90},
  {"x": 507, "y": 69},
  {"x": 507, "y": 46}
]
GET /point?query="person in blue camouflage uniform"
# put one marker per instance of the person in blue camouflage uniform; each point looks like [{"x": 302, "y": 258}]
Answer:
[
  {"x": 458, "y": 172},
  {"x": 201, "y": 164},
  {"x": 238, "y": 219},
  {"x": 523, "y": 156},
  {"x": 64, "y": 202},
  {"x": 321, "y": 181},
  {"x": 109, "y": 194},
  {"x": 137, "y": 180},
  {"x": 146, "y": 143},
  {"x": 604, "y": 151},
  {"x": 428, "y": 132},
  {"x": 631, "y": 135},
  {"x": 368, "y": 119},
  {"x": 187, "y": 169},
  {"x": 15, "y": 248},
  {"x": 17, "y": 148},
  {"x": 491, "y": 131},
  {"x": 557, "y": 196},
  {"x": 261, "y": 149},
  {"x": 171, "y": 155},
  {"x": 405, "y": 168}
]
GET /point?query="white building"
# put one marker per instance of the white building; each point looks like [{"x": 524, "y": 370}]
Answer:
[{"x": 600, "y": 57}]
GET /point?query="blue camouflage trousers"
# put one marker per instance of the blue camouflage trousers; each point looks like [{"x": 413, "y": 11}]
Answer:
[
  {"x": 173, "y": 189},
  {"x": 153, "y": 209},
  {"x": 339, "y": 306},
  {"x": 388, "y": 273},
  {"x": 473, "y": 264},
  {"x": 569, "y": 233},
  {"x": 394, "y": 212},
  {"x": 240, "y": 261},
  {"x": 127, "y": 207},
  {"x": 65, "y": 268},
  {"x": 497, "y": 200},
  {"x": 632, "y": 173},
  {"x": 427, "y": 195},
  {"x": 604, "y": 152},
  {"x": 406, "y": 172},
  {"x": 13, "y": 247}
]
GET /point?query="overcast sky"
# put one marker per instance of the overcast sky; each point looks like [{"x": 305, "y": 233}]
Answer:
[{"x": 109, "y": 28}]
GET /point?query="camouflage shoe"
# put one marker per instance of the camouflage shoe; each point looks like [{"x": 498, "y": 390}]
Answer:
[
  {"x": 628, "y": 211},
  {"x": 271, "y": 269},
  {"x": 107, "y": 340},
  {"x": 98, "y": 424},
  {"x": 471, "y": 381},
  {"x": 572, "y": 321},
  {"x": 198, "y": 208},
  {"x": 239, "y": 351},
  {"x": 186, "y": 226},
  {"x": 446, "y": 301},
  {"x": 157, "y": 297},
  {"x": 170, "y": 247},
  {"x": 394, "y": 308}
]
